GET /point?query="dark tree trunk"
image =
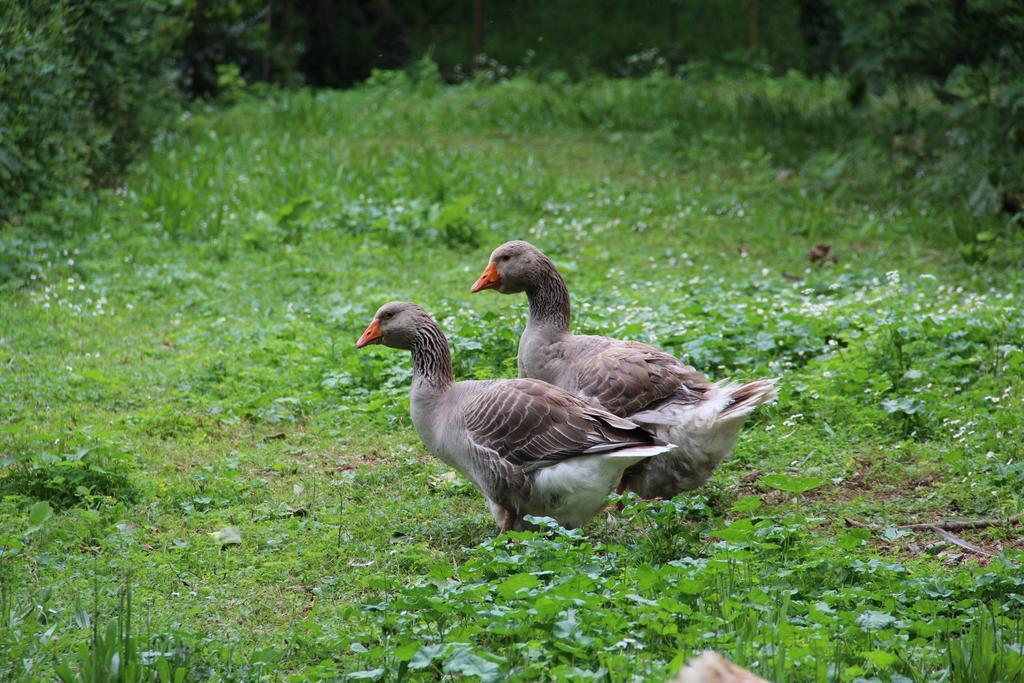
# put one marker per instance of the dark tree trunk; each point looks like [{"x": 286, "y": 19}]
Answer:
[
  {"x": 752, "y": 28},
  {"x": 267, "y": 40},
  {"x": 673, "y": 22},
  {"x": 478, "y": 28}
]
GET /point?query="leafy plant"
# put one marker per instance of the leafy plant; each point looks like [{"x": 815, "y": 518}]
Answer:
[
  {"x": 604, "y": 609},
  {"x": 38, "y": 515},
  {"x": 907, "y": 410},
  {"x": 989, "y": 650},
  {"x": 68, "y": 479},
  {"x": 115, "y": 653},
  {"x": 792, "y": 484}
]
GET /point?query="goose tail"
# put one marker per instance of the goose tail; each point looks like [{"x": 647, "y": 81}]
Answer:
[
  {"x": 705, "y": 434},
  {"x": 746, "y": 397}
]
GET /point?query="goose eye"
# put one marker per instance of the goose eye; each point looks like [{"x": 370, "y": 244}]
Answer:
[{"x": 506, "y": 257}]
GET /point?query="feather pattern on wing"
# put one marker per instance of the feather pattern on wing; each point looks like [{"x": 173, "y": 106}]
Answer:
[
  {"x": 531, "y": 424},
  {"x": 628, "y": 377}
]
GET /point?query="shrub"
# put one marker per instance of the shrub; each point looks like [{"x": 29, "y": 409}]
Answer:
[
  {"x": 83, "y": 84},
  {"x": 968, "y": 56},
  {"x": 68, "y": 479}
]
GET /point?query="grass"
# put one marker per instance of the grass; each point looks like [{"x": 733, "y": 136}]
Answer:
[{"x": 180, "y": 387}]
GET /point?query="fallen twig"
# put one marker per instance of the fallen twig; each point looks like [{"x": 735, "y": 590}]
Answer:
[
  {"x": 966, "y": 545},
  {"x": 850, "y": 521},
  {"x": 931, "y": 549},
  {"x": 944, "y": 525},
  {"x": 943, "y": 528},
  {"x": 956, "y": 525}
]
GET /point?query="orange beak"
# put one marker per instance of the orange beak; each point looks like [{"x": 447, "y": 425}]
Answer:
[
  {"x": 489, "y": 280},
  {"x": 372, "y": 335}
]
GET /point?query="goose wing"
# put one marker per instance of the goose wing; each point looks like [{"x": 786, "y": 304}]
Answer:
[
  {"x": 531, "y": 424},
  {"x": 628, "y": 377}
]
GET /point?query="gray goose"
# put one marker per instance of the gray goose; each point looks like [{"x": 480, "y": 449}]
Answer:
[
  {"x": 632, "y": 380},
  {"x": 530, "y": 447}
]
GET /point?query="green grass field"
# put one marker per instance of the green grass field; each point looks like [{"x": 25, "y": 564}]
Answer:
[{"x": 180, "y": 386}]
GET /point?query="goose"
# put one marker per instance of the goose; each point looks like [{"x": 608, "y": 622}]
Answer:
[
  {"x": 711, "y": 667},
  {"x": 632, "y": 380},
  {"x": 529, "y": 447}
]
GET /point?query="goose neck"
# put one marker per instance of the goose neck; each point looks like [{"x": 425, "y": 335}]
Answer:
[
  {"x": 431, "y": 359},
  {"x": 549, "y": 300}
]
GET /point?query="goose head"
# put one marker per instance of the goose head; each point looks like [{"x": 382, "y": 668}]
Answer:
[
  {"x": 396, "y": 324},
  {"x": 513, "y": 267}
]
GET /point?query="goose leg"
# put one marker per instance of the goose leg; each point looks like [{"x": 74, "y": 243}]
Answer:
[
  {"x": 620, "y": 489},
  {"x": 509, "y": 523},
  {"x": 506, "y": 519}
]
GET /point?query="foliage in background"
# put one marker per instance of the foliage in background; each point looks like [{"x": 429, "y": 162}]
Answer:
[
  {"x": 583, "y": 37},
  {"x": 324, "y": 43},
  {"x": 84, "y": 85},
  {"x": 956, "y": 69},
  {"x": 225, "y": 37}
]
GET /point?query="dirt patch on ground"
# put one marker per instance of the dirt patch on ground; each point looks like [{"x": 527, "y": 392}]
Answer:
[
  {"x": 881, "y": 484},
  {"x": 869, "y": 480},
  {"x": 865, "y": 484}
]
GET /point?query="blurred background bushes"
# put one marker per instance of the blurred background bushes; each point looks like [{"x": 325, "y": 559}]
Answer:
[{"x": 84, "y": 84}]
